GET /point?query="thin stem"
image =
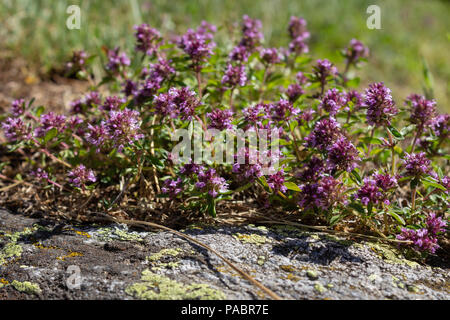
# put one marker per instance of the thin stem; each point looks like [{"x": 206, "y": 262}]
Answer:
[
  {"x": 199, "y": 84},
  {"x": 231, "y": 99},
  {"x": 413, "y": 199},
  {"x": 418, "y": 133},
  {"x": 391, "y": 142}
]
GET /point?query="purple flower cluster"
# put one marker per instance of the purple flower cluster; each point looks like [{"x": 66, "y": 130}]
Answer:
[
  {"x": 283, "y": 110},
  {"x": 80, "y": 176},
  {"x": 220, "y": 119},
  {"x": 294, "y": 91},
  {"x": 355, "y": 52},
  {"x": 375, "y": 189},
  {"x": 89, "y": 101},
  {"x": 332, "y": 101},
  {"x": 441, "y": 125},
  {"x": 15, "y": 129},
  {"x": 198, "y": 45},
  {"x": 18, "y": 107},
  {"x": 322, "y": 194},
  {"x": 209, "y": 181},
  {"x": 312, "y": 170},
  {"x": 276, "y": 182},
  {"x": 147, "y": 39},
  {"x": 234, "y": 76},
  {"x": 97, "y": 135},
  {"x": 270, "y": 56},
  {"x": 251, "y": 33},
  {"x": 342, "y": 155},
  {"x": 380, "y": 106},
  {"x": 40, "y": 174},
  {"x": 191, "y": 168},
  {"x": 425, "y": 239},
  {"x": 417, "y": 164},
  {"x": 325, "y": 132},
  {"x": 299, "y": 34},
  {"x": 248, "y": 168},
  {"x": 323, "y": 70},
  {"x": 422, "y": 110},
  {"x": 239, "y": 54},
  {"x": 177, "y": 103},
  {"x": 112, "y": 103},
  {"x": 306, "y": 116},
  {"x": 49, "y": 121},
  {"x": 172, "y": 187},
  {"x": 117, "y": 60},
  {"x": 77, "y": 62},
  {"x": 123, "y": 127},
  {"x": 257, "y": 113},
  {"x": 355, "y": 98}
]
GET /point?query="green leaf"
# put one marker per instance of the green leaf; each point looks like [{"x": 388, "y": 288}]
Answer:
[
  {"x": 353, "y": 83},
  {"x": 397, "y": 217},
  {"x": 292, "y": 186},
  {"x": 335, "y": 219},
  {"x": 355, "y": 175},
  {"x": 53, "y": 132},
  {"x": 369, "y": 140},
  {"x": 211, "y": 207},
  {"x": 395, "y": 132},
  {"x": 427, "y": 182}
]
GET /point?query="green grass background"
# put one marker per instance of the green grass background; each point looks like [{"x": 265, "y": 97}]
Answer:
[{"x": 411, "y": 30}]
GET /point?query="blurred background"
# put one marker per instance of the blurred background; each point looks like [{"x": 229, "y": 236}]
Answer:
[{"x": 409, "y": 51}]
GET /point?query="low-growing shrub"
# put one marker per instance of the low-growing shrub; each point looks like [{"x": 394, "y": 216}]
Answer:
[{"x": 344, "y": 157}]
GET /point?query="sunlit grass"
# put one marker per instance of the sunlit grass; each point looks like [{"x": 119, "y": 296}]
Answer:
[{"x": 410, "y": 30}]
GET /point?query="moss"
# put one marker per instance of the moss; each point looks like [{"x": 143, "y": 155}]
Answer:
[
  {"x": 159, "y": 287},
  {"x": 251, "y": 238},
  {"x": 26, "y": 287},
  {"x": 391, "y": 255}
]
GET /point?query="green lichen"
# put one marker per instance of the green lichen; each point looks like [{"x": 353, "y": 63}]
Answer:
[
  {"x": 110, "y": 234},
  {"x": 12, "y": 249},
  {"x": 391, "y": 255},
  {"x": 312, "y": 274},
  {"x": 251, "y": 238},
  {"x": 171, "y": 253},
  {"x": 26, "y": 287},
  {"x": 159, "y": 287},
  {"x": 319, "y": 287},
  {"x": 261, "y": 260},
  {"x": 164, "y": 253}
]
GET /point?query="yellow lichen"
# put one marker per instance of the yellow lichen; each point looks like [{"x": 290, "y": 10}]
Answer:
[
  {"x": 251, "y": 238},
  {"x": 165, "y": 252},
  {"x": 70, "y": 255},
  {"x": 391, "y": 255},
  {"x": 159, "y": 287},
  {"x": 26, "y": 287}
]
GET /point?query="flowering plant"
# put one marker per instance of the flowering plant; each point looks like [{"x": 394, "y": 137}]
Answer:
[{"x": 342, "y": 156}]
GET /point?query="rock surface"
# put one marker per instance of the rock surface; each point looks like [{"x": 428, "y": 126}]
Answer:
[{"x": 43, "y": 260}]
